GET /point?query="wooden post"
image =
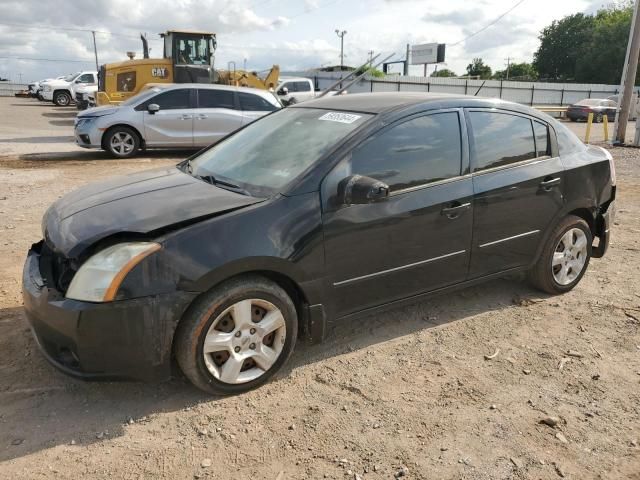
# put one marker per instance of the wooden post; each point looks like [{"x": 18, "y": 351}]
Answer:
[{"x": 605, "y": 126}]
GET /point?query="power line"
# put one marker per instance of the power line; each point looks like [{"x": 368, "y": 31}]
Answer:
[
  {"x": 68, "y": 29},
  {"x": 489, "y": 25},
  {"x": 45, "y": 59}
]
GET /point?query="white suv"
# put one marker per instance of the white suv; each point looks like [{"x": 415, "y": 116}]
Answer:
[{"x": 61, "y": 91}]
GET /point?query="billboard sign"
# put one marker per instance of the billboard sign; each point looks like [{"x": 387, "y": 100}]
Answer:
[{"x": 427, "y": 53}]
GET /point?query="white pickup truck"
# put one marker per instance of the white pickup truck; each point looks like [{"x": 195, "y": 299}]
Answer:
[
  {"x": 292, "y": 90},
  {"x": 61, "y": 91}
]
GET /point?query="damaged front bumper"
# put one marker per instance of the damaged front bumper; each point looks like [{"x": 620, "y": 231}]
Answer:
[{"x": 128, "y": 339}]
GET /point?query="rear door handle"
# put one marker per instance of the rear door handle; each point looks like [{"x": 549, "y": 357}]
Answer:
[
  {"x": 455, "y": 209},
  {"x": 548, "y": 183},
  {"x": 202, "y": 116},
  {"x": 186, "y": 117}
]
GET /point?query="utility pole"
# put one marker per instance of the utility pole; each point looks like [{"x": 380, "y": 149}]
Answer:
[
  {"x": 370, "y": 52},
  {"x": 508, "y": 66},
  {"x": 341, "y": 34},
  {"x": 95, "y": 49},
  {"x": 628, "y": 78},
  {"x": 406, "y": 62}
]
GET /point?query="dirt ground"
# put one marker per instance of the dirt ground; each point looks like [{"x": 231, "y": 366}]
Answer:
[{"x": 408, "y": 393}]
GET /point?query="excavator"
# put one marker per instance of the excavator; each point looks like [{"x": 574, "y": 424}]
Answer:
[{"x": 188, "y": 57}]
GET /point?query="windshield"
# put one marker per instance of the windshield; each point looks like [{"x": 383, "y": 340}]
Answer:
[
  {"x": 272, "y": 152},
  {"x": 71, "y": 76},
  {"x": 142, "y": 96}
]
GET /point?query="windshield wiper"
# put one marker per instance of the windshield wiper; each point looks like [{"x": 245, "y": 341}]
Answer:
[{"x": 221, "y": 183}]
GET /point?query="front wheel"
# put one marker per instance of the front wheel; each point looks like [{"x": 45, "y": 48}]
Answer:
[
  {"x": 599, "y": 118},
  {"x": 122, "y": 142},
  {"x": 565, "y": 257},
  {"x": 62, "y": 99},
  {"x": 236, "y": 336}
]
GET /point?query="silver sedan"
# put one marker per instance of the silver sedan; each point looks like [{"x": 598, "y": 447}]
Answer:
[{"x": 172, "y": 116}]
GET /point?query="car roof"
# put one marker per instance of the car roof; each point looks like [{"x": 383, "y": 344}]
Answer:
[
  {"x": 295, "y": 79},
  {"x": 210, "y": 86},
  {"x": 383, "y": 102}
]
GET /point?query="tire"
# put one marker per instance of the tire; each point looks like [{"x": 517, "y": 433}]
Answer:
[
  {"x": 598, "y": 118},
  {"x": 122, "y": 142},
  {"x": 255, "y": 354},
  {"x": 573, "y": 120},
  {"x": 62, "y": 99},
  {"x": 559, "y": 269}
]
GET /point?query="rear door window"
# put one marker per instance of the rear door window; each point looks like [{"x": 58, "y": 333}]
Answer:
[
  {"x": 209, "y": 98},
  {"x": 172, "y": 100},
  {"x": 501, "y": 139},
  {"x": 542, "y": 139},
  {"x": 302, "y": 86},
  {"x": 255, "y": 103},
  {"x": 413, "y": 153}
]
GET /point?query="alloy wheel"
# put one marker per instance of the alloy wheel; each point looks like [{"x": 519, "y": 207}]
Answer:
[
  {"x": 244, "y": 341},
  {"x": 122, "y": 143},
  {"x": 569, "y": 257}
]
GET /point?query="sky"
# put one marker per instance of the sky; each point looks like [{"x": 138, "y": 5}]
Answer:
[{"x": 295, "y": 34}]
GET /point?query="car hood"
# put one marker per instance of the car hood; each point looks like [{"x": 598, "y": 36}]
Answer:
[
  {"x": 99, "y": 111},
  {"x": 134, "y": 204}
]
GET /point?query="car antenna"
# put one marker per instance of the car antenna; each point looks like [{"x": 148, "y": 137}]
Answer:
[
  {"x": 342, "y": 79},
  {"x": 362, "y": 75}
]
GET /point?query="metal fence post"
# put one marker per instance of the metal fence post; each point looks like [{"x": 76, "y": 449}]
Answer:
[
  {"x": 466, "y": 86},
  {"x": 533, "y": 92},
  {"x": 562, "y": 97},
  {"x": 589, "y": 94},
  {"x": 428, "y": 87},
  {"x": 501, "y": 89}
]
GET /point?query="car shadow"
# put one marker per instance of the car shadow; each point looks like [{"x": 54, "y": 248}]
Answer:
[
  {"x": 41, "y": 408},
  {"x": 61, "y": 123},
  {"x": 73, "y": 114},
  {"x": 53, "y": 139},
  {"x": 82, "y": 155}
]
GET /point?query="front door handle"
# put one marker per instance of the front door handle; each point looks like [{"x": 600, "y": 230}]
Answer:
[
  {"x": 548, "y": 183},
  {"x": 202, "y": 116},
  {"x": 455, "y": 209},
  {"x": 186, "y": 117}
]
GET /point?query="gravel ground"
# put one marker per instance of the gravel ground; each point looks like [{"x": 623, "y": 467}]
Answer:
[{"x": 407, "y": 393}]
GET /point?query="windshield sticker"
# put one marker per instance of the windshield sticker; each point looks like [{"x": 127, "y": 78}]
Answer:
[{"x": 340, "y": 117}]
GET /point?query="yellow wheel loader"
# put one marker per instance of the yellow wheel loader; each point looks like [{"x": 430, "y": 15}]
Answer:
[{"x": 188, "y": 58}]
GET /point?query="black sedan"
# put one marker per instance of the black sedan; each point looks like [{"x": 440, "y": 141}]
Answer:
[
  {"x": 330, "y": 209},
  {"x": 599, "y": 107}
]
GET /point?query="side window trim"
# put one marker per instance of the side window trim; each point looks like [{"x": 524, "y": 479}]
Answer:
[
  {"x": 464, "y": 144},
  {"x": 471, "y": 140}
]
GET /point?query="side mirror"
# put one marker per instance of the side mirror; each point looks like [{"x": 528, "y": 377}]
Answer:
[
  {"x": 283, "y": 91},
  {"x": 361, "y": 190},
  {"x": 152, "y": 108}
]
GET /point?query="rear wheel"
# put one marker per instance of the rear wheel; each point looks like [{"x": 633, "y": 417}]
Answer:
[
  {"x": 565, "y": 257},
  {"x": 62, "y": 99},
  {"x": 122, "y": 142},
  {"x": 235, "y": 337},
  {"x": 599, "y": 118}
]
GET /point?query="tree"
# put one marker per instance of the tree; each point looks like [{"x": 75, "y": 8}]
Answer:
[
  {"x": 477, "y": 68},
  {"x": 586, "y": 48},
  {"x": 561, "y": 45},
  {"x": 445, "y": 72},
  {"x": 518, "y": 71}
]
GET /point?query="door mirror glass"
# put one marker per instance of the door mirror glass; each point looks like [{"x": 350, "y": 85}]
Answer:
[
  {"x": 360, "y": 190},
  {"x": 283, "y": 91},
  {"x": 153, "y": 108}
]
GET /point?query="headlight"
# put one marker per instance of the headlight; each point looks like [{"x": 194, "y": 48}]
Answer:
[{"x": 99, "y": 278}]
